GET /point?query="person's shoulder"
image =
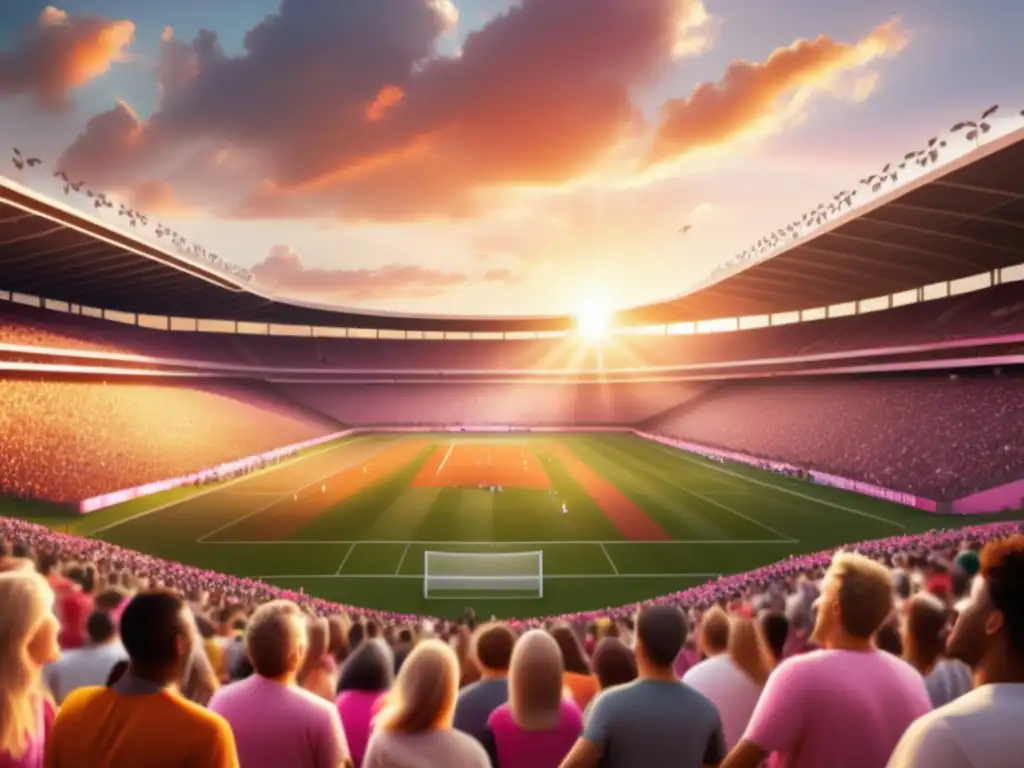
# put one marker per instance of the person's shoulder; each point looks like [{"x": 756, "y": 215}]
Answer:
[
  {"x": 83, "y": 698},
  {"x": 500, "y": 715},
  {"x": 199, "y": 717},
  {"x": 467, "y": 746}
]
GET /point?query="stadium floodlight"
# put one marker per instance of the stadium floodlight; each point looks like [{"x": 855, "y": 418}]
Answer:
[{"x": 457, "y": 575}]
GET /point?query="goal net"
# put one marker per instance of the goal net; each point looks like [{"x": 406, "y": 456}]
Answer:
[{"x": 468, "y": 574}]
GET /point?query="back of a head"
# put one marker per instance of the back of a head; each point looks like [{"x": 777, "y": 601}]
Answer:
[
  {"x": 864, "y": 594},
  {"x": 614, "y": 663},
  {"x": 573, "y": 656},
  {"x": 370, "y": 668},
  {"x": 660, "y": 634},
  {"x": 424, "y": 694},
  {"x": 100, "y": 627},
  {"x": 714, "y": 631},
  {"x": 275, "y": 638},
  {"x": 535, "y": 681},
  {"x": 776, "y": 632},
  {"x": 926, "y": 619},
  {"x": 151, "y": 626},
  {"x": 492, "y": 647},
  {"x": 749, "y": 650}
]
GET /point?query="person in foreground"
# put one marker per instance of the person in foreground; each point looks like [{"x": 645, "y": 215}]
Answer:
[
  {"x": 844, "y": 706},
  {"x": 981, "y": 729},
  {"x": 274, "y": 721},
  {"x": 414, "y": 730},
  {"x": 28, "y": 640},
  {"x": 142, "y": 720},
  {"x": 656, "y": 721}
]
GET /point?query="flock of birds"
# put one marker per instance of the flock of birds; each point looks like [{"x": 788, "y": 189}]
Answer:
[
  {"x": 971, "y": 130},
  {"x": 135, "y": 219}
]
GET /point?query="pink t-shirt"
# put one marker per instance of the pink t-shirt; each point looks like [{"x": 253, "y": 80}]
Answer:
[
  {"x": 518, "y": 748},
  {"x": 843, "y": 709},
  {"x": 33, "y": 757},
  {"x": 276, "y": 725},
  {"x": 357, "y": 710}
]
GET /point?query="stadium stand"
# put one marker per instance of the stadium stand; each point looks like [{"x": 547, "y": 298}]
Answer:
[
  {"x": 938, "y": 436},
  {"x": 992, "y": 312},
  {"x": 68, "y": 440}
]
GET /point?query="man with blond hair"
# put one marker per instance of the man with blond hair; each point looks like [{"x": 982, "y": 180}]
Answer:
[
  {"x": 275, "y": 722},
  {"x": 847, "y": 705}
]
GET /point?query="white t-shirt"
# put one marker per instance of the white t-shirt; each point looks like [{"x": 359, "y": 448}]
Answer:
[
  {"x": 83, "y": 667},
  {"x": 733, "y": 693},
  {"x": 981, "y": 729}
]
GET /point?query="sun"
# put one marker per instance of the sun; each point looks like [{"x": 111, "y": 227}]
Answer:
[{"x": 592, "y": 320}]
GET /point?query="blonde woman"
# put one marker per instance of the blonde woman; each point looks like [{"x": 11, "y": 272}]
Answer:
[
  {"x": 540, "y": 723},
  {"x": 415, "y": 727},
  {"x": 750, "y": 651},
  {"x": 28, "y": 641},
  {"x": 319, "y": 672}
]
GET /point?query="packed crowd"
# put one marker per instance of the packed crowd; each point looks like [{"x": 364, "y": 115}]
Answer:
[
  {"x": 936, "y": 436},
  {"x": 112, "y": 658},
  {"x": 992, "y": 312},
  {"x": 113, "y": 436}
]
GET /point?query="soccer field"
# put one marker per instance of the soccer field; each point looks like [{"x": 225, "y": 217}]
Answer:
[{"x": 351, "y": 521}]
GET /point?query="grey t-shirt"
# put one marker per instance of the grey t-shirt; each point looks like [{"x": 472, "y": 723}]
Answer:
[
  {"x": 475, "y": 704},
  {"x": 656, "y": 725}
]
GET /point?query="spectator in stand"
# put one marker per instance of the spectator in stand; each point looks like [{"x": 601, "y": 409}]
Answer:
[
  {"x": 492, "y": 650},
  {"x": 140, "y": 720},
  {"x": 75, "y": 606},
  {"x": 614, "y": 664},
  {"x": 337, "y": 630},
  {"x": 775, "y": 626},
  {"x": 91, "y": 664},
  {"x": 414, "y": 728},
  {"x": 28, "y": 641},
  {"x": 656, "y": 721},
  {"x": 318, "y": 673},
  {"x": 726, "y": 684},
  {"x": 981, "y": 729},
  {"x": 403, "y": 646},
  {"x": 578, "y": 675},
  {"x": 366, "y": 677},
  {"x": 274, "y": 721},
  {"x": 847, "y": 705},
  {"x": 539, "y": 725},
  {"x": 925, "y": 618}
]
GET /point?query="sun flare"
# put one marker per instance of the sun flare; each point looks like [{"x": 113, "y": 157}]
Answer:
[{"x": 592, "y": 320}]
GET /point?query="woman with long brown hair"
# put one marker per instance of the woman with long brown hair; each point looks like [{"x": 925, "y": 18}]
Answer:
[
  {"x": 319, "y": 672},
  {"x": 578, "y": 677}
]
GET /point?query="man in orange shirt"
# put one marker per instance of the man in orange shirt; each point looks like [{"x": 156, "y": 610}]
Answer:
[{"x": 142, "y": 720}]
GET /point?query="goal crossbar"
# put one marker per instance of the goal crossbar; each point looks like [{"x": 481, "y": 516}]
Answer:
[{"x": 483, "y": 571}]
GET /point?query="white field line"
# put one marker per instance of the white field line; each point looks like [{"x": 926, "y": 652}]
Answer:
[
  {"x": 497, "y": 544},
  {"x": 782, "y": 489},
  {"x": 216, "y": 488},
  {"x": 319, "y": 481},
  {"x": 552, "y": 577},
  {"x": 447, "y": 455},
  {"x": 351, "y": 548},
  {"x": 610, "y": 561},
  {"x": 401, "y": 560}
]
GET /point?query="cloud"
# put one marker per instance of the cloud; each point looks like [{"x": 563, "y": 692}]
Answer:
[
  {"x": 753, "y": 96},
  {"x": 61, "y": 53},
  {"x": 357, "y": 116},
  {"x": 283, "y": 270},
  {"x": 158, "y": 197}
]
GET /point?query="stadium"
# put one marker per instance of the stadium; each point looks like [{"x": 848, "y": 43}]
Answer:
[{"x": 855, "y": 376}]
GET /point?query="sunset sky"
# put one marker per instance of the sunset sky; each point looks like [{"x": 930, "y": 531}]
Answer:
[{"x": 486, "y": 156}]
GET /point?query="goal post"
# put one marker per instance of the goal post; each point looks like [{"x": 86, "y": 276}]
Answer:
[{"x": 452, "y": 575}]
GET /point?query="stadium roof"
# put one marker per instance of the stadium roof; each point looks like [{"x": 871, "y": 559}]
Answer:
[{"x": 960, "y": 219}]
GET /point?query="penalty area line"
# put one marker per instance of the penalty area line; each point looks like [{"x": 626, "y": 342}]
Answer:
[
  {"x": 451, "y": 447},
  {"x": 552, "y": 577}
]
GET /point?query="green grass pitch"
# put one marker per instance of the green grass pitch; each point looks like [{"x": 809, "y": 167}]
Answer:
[{"x": 362, "y": 541}]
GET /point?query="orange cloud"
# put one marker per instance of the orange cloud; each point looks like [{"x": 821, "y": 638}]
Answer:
[
  {"x": 283, "y": 270},
  {"x": 156, "y": 197},
  {"x": 61, "y": 53},
  {"x": 751, "y": 94},
  {"x": 388, "y": 97}
]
